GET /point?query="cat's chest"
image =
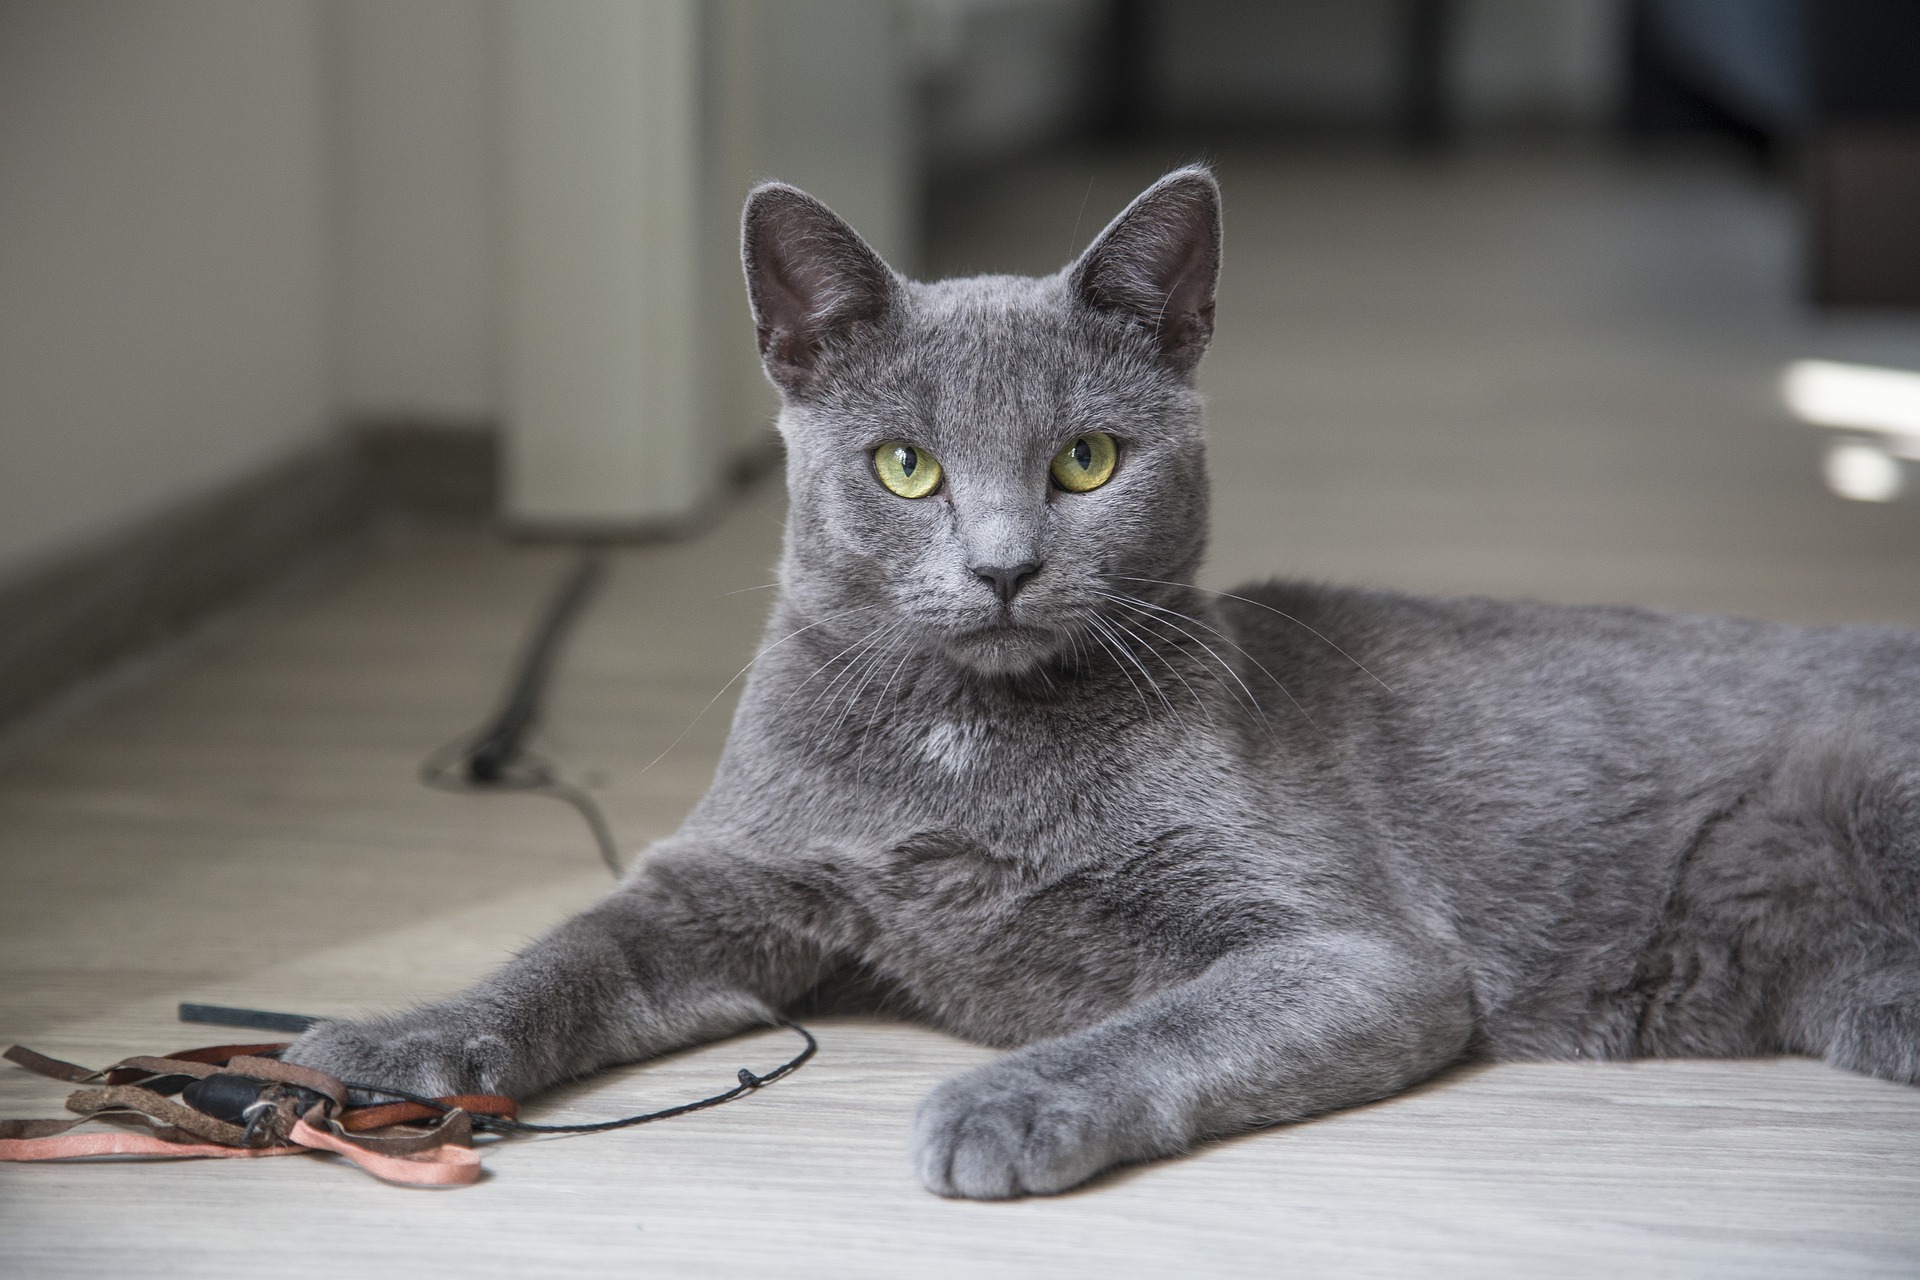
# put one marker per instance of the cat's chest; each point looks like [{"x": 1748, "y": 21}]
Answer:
[
  {"x": 998, "y": 949},
  {"x": 1036, "y": 792}
]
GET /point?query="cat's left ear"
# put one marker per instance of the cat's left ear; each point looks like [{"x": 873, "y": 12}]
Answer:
[{"x": 1158, "y": 262}]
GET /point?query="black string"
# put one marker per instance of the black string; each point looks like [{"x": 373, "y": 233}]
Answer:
[{"x": 748, "y": 1083}]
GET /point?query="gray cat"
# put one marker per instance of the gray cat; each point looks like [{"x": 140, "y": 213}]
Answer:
[{"x": 1005, "y": 767}]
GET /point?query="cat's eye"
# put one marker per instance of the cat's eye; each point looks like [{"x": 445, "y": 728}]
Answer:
[
  {"x": 906, "y": 469},
  {"x": 1087, "y": 463}
]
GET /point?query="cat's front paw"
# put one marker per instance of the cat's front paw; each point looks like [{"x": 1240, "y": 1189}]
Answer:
[
  {"x": 433, "y": 1057},
  {"x": 1003, "y": 1131}
]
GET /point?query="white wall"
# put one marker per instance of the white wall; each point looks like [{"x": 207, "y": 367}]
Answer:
[
  {"x": 837, "y": 115},
  {"x": 163, "y": 255},
  {"x": 414, "y": 123}
]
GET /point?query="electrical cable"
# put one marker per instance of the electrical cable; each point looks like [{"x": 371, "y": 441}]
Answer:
[{"x": 495, "y": 756}]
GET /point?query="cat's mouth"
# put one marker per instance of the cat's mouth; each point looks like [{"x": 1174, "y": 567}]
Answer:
[{"x": 1004, "y": 647}]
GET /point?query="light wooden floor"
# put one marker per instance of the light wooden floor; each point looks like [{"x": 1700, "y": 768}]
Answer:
[{"x": 1541, "y": 374}]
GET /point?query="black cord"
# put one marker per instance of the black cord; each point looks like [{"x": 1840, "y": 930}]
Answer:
[
  {"x": 499, "y": 744},
  {"x": 495, "y": 756},
  {"x": 748, "y": 1083}
]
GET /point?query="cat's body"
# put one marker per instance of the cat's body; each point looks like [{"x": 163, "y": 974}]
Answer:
[{"x": 1213, "y": 860}]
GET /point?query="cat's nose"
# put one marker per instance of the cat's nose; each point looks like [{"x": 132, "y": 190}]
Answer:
[{"x": 1006, "y": 579}]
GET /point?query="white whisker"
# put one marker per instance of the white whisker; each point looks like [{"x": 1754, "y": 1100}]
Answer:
[
  {"x": 868, "y": 645},
  {"x": 1148, "y": 641},
  {"x": 1282, "y": 613},
  {"x": 1121, "y": 647},
  {"x": 1100, "y": 639},
  {"x": 1278, "y": 683}
]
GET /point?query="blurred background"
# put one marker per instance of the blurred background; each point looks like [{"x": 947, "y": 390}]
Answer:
[{"x": 1510, "y": 292}]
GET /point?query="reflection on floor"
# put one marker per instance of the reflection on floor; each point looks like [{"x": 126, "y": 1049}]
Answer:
[{"x": 1546, "y": 374}]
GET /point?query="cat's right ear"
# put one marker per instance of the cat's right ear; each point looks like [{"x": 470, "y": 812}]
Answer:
[{"x": 809, "y": 277}]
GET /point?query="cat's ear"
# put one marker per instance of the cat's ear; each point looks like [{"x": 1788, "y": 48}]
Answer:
[
  {"x": 809, "y": 277},
  {"x": 1157, "y": 263}
]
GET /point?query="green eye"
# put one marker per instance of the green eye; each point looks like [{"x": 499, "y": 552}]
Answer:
[
  {"x": 908, "y": 471},
  {"x": 1087, "y": 463}
]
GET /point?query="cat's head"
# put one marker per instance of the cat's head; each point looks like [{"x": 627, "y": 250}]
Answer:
[{"x": 978, "y": 464}]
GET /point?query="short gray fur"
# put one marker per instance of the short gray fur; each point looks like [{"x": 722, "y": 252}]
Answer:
[{"x": 1196, "y": 864}]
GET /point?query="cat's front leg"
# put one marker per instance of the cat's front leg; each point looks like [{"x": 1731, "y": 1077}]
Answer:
[
  {"x": 1264, "y": 1035},
  {"x": 690, "y": 949}
]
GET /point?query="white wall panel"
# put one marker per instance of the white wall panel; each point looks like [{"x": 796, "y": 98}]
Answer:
[
  {"x": 600, "y": 113},
  {"x": 163, "y": 256},
  {"x": 414, "y": 160}
]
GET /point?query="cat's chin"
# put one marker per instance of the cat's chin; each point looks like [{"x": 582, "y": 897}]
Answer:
[{"x": 1003, "y": 650}]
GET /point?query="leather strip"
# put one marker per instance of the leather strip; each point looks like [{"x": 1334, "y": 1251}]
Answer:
[
  {"x": 41, "y": 1064},
  {"x": 439, "y": 1156},
  {"x": 361, "y": 1119},
  {"x": 213, "y": 1054},
  {"x": 12, "y": 1129},
  {"x": 456, "y": 1128},
  {"x": 164, "y": 1066}
]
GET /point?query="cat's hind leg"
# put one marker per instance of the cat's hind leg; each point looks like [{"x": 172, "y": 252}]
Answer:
[{"x": 1848, "y": 823}]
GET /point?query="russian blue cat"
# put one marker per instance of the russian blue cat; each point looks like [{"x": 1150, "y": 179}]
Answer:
[{"x": 1202, "y": 861}]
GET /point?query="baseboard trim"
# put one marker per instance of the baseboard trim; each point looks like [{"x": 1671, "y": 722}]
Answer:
[{"x": 75, "y": 616}]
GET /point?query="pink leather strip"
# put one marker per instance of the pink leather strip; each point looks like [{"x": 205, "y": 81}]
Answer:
[
  {"x": 448, "y": 1166},
  {"x": 71, "y": 1146}
]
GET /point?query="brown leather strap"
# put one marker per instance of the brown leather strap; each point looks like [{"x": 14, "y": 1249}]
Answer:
[
  {"x": 41, "y": 1064},
  {"x": 163, "y": 1067},
  {"x": 361, "y": 1119},
  {"x": 213, "y": 1054},
  {"x": 34, "y": 1130},
  {"x": 455, "y": 1127},
  {"x": 219, "y": 1054},
  {"x": 37, "y": 1128}
]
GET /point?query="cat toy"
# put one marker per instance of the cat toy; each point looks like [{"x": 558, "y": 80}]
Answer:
[{"x": 240, "y": 1100}]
